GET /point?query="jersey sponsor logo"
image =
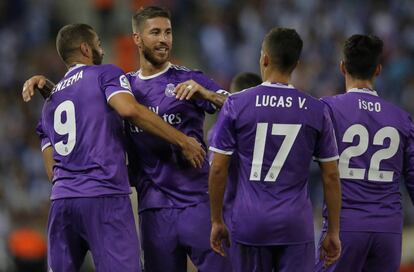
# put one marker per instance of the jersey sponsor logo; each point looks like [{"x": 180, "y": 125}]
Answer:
[
  {"x": 170, "y": 118},
  {"x": 170, "y": 90},
  {"x": 123, "y": 81}
]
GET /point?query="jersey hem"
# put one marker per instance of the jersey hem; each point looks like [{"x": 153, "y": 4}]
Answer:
[
  {"x": 274, "y": 244},
  {"x": 90, "y": 196},
  {"x": 169, "y": 207}
]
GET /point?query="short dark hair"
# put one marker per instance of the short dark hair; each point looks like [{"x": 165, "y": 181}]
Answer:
[
  {"x": 146, "y": 13},
  {"x": 362, "y": 54},
  {"x": 70, "y": 37},
  {"x": 284, "y": 46},
  {"x": 243, "y": 81}
]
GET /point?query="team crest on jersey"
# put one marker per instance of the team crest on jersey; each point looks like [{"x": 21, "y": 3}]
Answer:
[
  {"x": 123, "y": 81},
  {"x": 169, "y": 90}
]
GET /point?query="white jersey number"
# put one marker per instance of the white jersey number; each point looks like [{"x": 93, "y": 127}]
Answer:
[
  {"x": 374, "y": 174},
  {"x": 65, "y": 128},
  {"x": 290, "y": 132}
]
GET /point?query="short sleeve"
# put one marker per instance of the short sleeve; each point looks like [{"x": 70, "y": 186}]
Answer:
[
  {"x": 224, "y": 138},
  {"x": 210, "y": 85},
  {"x": 113, "y": 81},
  {"x": 326, "y": 148},
  {"x": 44, "y": 139},
  {"x": 409, "y": 161}
]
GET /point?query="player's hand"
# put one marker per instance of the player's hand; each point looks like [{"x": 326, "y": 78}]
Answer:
[
  {"x": 194, "y": 152},
  {"x": 219, "y": 235},
  {"x": 190, "y": 90},
  {"x": 330, "y": 249},
  {"x": 30, "y": 85}
]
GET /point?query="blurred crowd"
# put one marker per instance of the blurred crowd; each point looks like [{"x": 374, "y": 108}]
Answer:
[{"x": 220, "y": 37}]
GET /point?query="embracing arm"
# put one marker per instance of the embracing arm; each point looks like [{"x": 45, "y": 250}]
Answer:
[
  {"x": 128, "y": 108},
  {"x": 191, "y": 89},
  {"x": 39, "y": 83}
]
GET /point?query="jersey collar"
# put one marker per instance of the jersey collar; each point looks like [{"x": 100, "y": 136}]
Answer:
[
  {"x": 73, "y": 67},
  {"x": 363, "y": 90},
  {"x": 277, "y": 85},
  {"x": 154, "y": 75}
]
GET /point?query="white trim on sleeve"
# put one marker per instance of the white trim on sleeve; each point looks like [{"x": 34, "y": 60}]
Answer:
[
  {"x": 46, "y": 145},
  {"x": 220, "y": 151},
  {"x": 326, "y": 159},
  {"x": 117, "y": 92}
]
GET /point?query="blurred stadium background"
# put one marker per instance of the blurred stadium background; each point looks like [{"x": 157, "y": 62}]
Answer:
[{"x": 220, "y": 37}]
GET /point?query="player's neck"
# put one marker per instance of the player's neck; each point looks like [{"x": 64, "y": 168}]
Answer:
[
  {"x": 274, "y": 76},
  {"x": 149, "y": 69},
  {"x": 73, "y": 62},
  {"x": 353, "y": 83}
]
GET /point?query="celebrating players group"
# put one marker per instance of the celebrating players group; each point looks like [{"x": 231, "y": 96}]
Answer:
[{"x": 245, "y": 205}]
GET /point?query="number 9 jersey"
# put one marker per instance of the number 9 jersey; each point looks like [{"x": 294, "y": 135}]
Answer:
[
  {"x": 376, "y": 146},
  {"x": 86, "y": 133},
  {"x": 274, "y": 130}
]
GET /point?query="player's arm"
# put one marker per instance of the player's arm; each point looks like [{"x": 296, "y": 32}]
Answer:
[
  {"x": 128, "y": 108},
  {"x": 48, "y": 161},
  {"x": 331, "y": 246},
  {"x": 216, "y": 187},
  {"x": 190, "y": 89},
  {"x": 39, "y": 83}
]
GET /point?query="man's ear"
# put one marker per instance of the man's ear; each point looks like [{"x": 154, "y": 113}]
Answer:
[
  {"x": 342, "y": 67},
  {"x": 266, "y": 60},
  {"x": 378, "y": 70},
  {"x": 137, "y": 39},
  {"x": 85, "y": 49}
]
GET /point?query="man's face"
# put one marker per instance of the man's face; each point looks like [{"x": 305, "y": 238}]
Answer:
[
  {"x": 156, "y": 40},
  {"x": 97, "y": 51}
]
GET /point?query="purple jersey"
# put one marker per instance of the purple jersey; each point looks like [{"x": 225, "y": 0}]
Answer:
[
  {"x": 86, "y": 133},
  {"x": 376, "y": 147},
  {"x": 274, "y": 130},
  {"x": 167, "y": 179}
]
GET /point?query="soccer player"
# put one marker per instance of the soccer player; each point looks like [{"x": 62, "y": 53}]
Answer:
[
  {"x": 274, "y": 130},
  {"x": 376, "y": 146},
  {"x": 81, "y": 127},
  {"x": 173, "y": 200},
  {"x": 240, "y": 82}
]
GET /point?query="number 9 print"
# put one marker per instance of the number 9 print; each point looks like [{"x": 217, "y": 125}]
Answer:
[{"x": 65, "y": 128}]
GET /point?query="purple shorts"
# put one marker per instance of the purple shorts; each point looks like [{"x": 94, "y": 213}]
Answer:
[
  {"x": 104, "y": 225},
  {"x": 169, "y": 235},
  {"x": 366, "y": 251}
]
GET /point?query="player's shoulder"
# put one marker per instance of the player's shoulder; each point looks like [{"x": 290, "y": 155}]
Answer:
[
  {"x": 180, "y": 68},
  {"x": 184, "y": 71},
  {"x": 331, "y": 100},
  {"x": 107, "y": 68},
  {"x": 131, "y": 76},
  {"x": 245, "y": 93}
]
